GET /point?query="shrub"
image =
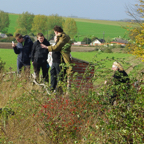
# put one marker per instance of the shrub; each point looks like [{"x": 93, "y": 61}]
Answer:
[
  {"x": 79, "y": 117},
  {"x": 8, "y": 39},
  {"x": 1, "y": 65},
  {"x": 107, "y": 50},
  {"x": 9, "y": 34}
]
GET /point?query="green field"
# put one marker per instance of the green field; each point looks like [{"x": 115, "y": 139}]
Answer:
[
  {"x": 8, "y": 56},
  {"x": 13, "y": 23},
  {"x": 87, "y": 28},
  {"x": 99, "y": 30}
]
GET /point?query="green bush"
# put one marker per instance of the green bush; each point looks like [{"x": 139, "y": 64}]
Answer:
[
  {"x": 1, "y": 65},
  {"x": 9, "y": 34},
  {"x": 107, "y": 50},
  {"x": 77, "y": 117},
  {"x": 8, "y": 39}
]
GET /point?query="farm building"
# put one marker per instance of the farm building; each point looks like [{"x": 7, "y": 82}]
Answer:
[
  {"x": 97, "y": 42},
  {"x": 79, "y": 43},
  {"x": 3, "y": 35},
  {"x": 119, "y": 41}
]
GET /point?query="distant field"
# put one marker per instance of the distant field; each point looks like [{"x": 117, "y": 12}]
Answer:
[
  {"x": 99, "y": 30},
  {"x": 8, "y": 56},
  {"x": 13, "y": 22},
  {"x": 87, "y": 27}
]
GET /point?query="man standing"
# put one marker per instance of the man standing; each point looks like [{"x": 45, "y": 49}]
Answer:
[
  {"x": 39, "y": 57},
  {"x": 63, "y": 46},
  {"x": 23, "y": 49}
]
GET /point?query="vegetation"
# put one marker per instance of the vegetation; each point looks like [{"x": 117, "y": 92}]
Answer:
[
  {"x": 54, "y": 20},
  {"x": 136, "y": 45},
  {"x": 39, "y": 24},
  {"x": 86, "y": 40},
  {"x": 30, "y": 115},
  {"x": 86, "y": 27},
  {"x": 70, "y": 27},
  {"x": 4, "y": 21},
  {"x": 25, "y": 21}
]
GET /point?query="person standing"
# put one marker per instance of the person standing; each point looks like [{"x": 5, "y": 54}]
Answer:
[
  {"x": 23, "y": 49},
  {"x": 63, "y": 46},
  {"x": 39, "y": 57},
  {"x": 55, "y": 68}
]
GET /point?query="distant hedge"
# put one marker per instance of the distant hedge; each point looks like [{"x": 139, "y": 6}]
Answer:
[{"x": 8, "y": 39}]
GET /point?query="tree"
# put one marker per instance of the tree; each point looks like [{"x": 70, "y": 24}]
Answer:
[
  {"x": 136, "y": 45},
  {"x": 70, "y": 27},
  {"x": 54, "y": 20},
  {"x": 22, "y": 31},
  {"x": 40, "y": 24},
  {"x": 4, "y": 21},
  {"x": 93, "y": 38},
  {"x": 25, "y": 21},
  {"x": 86, "y": 40}
]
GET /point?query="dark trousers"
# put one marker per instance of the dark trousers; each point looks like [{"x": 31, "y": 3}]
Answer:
[
  {"x": 55, "y": 70},
  {"x": 44, "y": 67},
  {"x": 20, "y": 65}
]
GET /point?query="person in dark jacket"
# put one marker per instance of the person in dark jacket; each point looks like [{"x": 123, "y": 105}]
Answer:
[
  {"x": 120, "y": 80},
  {"x": 55, "y": 68},
  {"x": 39, "y": 57},
  {"x": 23, "y": 49}
]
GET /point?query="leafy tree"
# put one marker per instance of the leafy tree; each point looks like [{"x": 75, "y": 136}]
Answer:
[
  {"x": 22, "y": 31},
  {"x": 40, "y": 24},
  {"x": 54, "y": 20},
  {"x": 137, "y": 33},
  {"x": 25, "y": 21},
  {"x": 4, "y": 21},
  {"x": 87, "y": 40},
  {"x": 70, "y": 27},
  {"x": 50, "y": 34}
]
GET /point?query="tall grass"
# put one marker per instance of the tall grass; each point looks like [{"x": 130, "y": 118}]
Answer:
[{"x": 77, "y": 117}]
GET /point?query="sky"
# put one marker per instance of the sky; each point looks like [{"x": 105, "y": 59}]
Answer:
[{"x": 92, "y": 9}]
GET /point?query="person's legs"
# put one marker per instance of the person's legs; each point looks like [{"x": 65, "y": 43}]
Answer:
[
  {"x": 36, "y": 69},
  {"x": 19, "y": 66},
  {"x": 27, "y": 70},
  {"x": 45, "y": 71},
  {"x": 53, "y": 77}
]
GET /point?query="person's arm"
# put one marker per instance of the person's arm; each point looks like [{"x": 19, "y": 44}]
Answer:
[
  {"x": 16, "y": 49},
  {"x": 58, "y": 46}
]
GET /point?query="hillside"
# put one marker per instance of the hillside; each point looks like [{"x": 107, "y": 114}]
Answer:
[{"x": 88, "y": 28}]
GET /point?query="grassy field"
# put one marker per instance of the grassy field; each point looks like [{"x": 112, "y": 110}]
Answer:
[
  {"x": 13, "y": 22},
  {"x": 99, "y": 30},
  {"x": 87, "y": 27},
  {"x": 8, "y": 56}
]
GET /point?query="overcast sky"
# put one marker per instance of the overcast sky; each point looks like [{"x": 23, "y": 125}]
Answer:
[{"x": 92, "y": 9}]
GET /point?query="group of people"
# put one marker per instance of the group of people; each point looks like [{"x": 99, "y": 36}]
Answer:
[{"x": 43, "y": 55}]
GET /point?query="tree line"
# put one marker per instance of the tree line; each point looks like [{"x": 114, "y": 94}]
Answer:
[{"x": 28, "y": 23}]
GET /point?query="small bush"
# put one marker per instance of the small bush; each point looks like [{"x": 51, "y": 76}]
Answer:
[
  {"x": 8, "y": 39},
  {"x": 1, "y": 65},
  {"x": 9, "y": 34},
  {"x": 108, "y": 50}
]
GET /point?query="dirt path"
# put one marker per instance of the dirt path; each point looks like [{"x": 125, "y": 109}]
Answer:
[{"x": 73, "y": 48}]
